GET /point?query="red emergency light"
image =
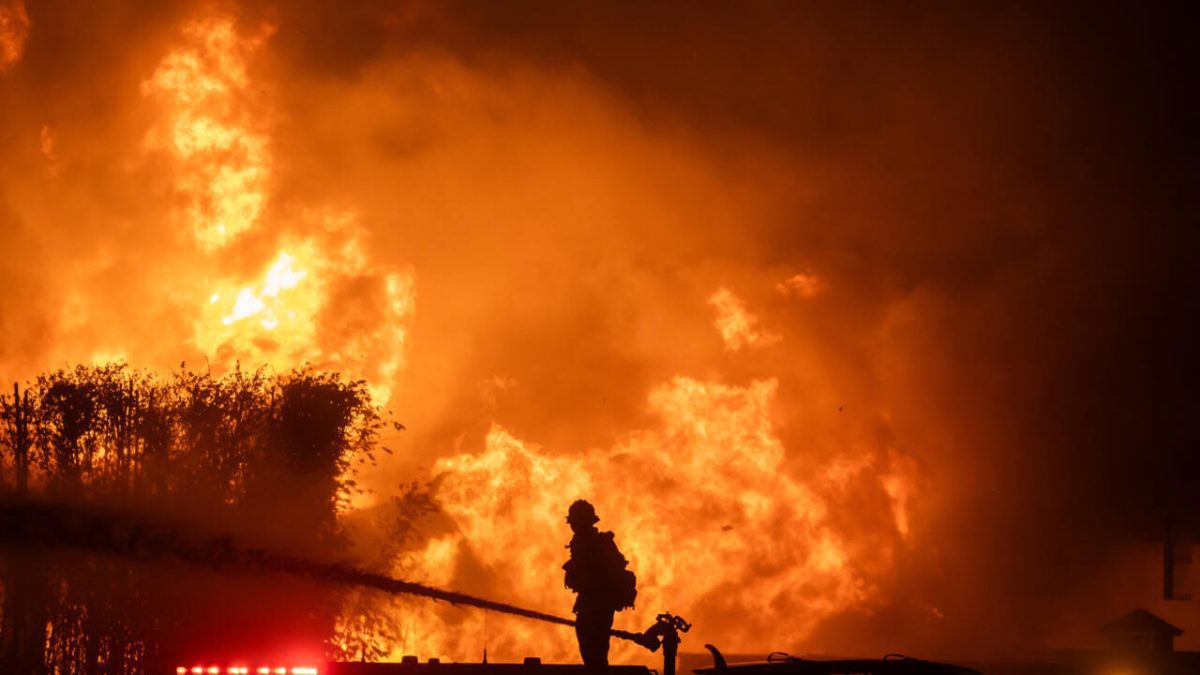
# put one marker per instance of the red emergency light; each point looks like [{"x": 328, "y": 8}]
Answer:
[{"x": 246, "y": 670}]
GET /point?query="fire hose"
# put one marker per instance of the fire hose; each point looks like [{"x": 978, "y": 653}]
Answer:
[{"x": 34, "y": 524}]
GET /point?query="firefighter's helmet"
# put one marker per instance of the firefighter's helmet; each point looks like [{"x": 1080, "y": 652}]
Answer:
[{"x": 582, "y": 511}]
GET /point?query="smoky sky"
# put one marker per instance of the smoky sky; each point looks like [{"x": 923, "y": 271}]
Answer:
[
  {"x": 1020, "y": 172},
  {"x": 1000, "y": 198}
]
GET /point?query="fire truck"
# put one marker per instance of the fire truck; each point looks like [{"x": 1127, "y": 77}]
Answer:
[
  {"x": 775, "y": 664},
  {"x": 664, "y": 634},
  {"x": 409, "y": 665}
]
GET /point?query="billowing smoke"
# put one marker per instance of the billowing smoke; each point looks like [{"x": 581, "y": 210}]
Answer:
[{"x": 897, "y": 295}]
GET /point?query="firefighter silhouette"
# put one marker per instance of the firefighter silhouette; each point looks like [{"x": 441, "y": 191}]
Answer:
[{"x": 597, "y": 573}]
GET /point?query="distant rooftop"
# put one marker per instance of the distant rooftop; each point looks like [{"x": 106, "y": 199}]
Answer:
[{"x": 1140, "y": 622}]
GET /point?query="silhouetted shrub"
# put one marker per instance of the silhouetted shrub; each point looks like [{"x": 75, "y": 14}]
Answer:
[{"x": 263, "y": 458}]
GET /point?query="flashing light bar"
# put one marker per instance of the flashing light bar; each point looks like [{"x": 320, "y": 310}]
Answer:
[{"x": 245, "y": 670}]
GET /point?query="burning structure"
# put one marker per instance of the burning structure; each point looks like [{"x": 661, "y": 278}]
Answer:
[{"x": 865, "y": 324}]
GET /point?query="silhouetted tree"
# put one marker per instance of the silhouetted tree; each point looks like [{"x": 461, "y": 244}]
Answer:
[{"x": 263, "y": 458}]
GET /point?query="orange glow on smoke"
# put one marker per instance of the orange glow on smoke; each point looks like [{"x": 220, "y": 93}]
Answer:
[
  {"x": 804, "y": 285},
  {"x": 721, "y": 520}
]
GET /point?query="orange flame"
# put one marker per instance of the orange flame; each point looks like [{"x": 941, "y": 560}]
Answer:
[
  {"x": 299, "y": 308},
  {"x": 736, "y": 324},
  {"x": 14, "y": 31},
  {"x": 722, "y": 522},
  {"x": 705, "y": 507},
  {"x": 212, "y": 129}
]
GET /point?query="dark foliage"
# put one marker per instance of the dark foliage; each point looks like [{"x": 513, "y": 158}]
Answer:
[{"x": 262, "y": 458}]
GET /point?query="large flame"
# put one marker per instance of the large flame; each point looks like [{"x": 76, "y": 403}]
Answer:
[
  {"x": 319, "y": 298},
  {"x": 828, "y": 311},
  {"x": 706, "y": 506},
  {"x": 724, "y": 523},
  {"x": 213, "y": 130}
]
